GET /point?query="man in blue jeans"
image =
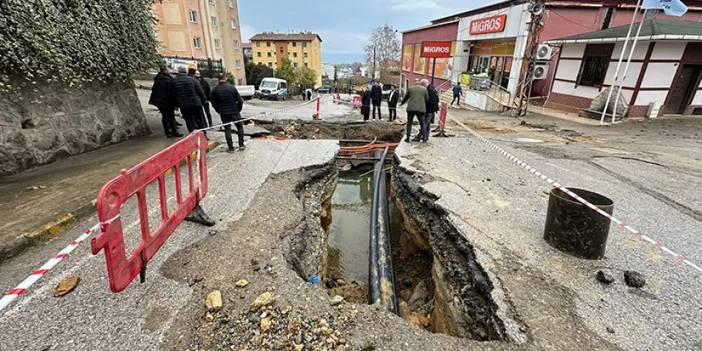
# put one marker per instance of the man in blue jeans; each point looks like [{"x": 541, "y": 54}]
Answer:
[
  {"x": 432, "y": 109},
  {"x": 416, "y": 100}
]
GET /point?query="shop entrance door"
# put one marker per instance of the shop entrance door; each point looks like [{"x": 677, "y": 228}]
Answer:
[{"x": 683, "y": 89}]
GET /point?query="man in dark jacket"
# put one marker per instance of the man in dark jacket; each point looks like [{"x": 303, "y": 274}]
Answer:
[
  {"x": 376, "y": 97},
  {"x": 163, "y": 98},
  {"x": 416, "y": 100},
  {"x": 457, "y": 92},
  {"x": 228, "y": 103},
  {"x": 189, "y": 97},
  {"x": 432, "y": 109},
  {"x": 365, "y": 103},
  {"x": 393, "y": 98},
  {"x": 206, "y": 89}
]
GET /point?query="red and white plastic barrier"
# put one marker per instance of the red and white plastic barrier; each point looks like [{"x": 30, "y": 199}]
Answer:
[{"x": 639, "y": 234}]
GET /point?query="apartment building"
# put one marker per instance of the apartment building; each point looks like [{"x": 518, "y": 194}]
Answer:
[
  {"x": 202, "y": 29},
  {"x": 303, "y": 49}
]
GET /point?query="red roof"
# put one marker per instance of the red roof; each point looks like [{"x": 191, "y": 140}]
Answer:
[
  {"x": 286, "y": 37},
  {"x": 246, "y": 45}
]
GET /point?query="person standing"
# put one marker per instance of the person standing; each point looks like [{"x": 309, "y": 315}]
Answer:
[
  {"x": 376, "y": 94},
  {"x": 228, "y": 103},
  {"x": 189, "y": 97},
  {"x": 163, "y": 98},
  {"x": 432, "y": 109},
  {"x": 457, "y": 92},
  {"x": 208, "y": 92},
  {"x": 393, "y": 98},
  {"x": 416, "y": 100},
  {"x": 365, "y": 104}
]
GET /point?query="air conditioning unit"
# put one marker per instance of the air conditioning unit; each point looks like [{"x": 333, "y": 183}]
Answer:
[
  {"x": 544, "y": 52},
  {"x": 540, "y": 71}
]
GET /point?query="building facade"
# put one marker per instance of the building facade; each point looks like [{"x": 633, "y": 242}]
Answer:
[
  {"x": 202, "y": 29},
  {"x": 664, "y": 77},
  {"x": 303, "y": 50},
  {"x": 494, "y": 38}
]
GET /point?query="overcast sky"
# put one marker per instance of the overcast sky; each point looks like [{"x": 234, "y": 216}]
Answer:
[{"x": 344, "y": 25}]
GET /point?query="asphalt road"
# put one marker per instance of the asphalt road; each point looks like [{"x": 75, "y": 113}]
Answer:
[
  {"x": 501, "y": 209},
  {"x": 92, "y": 317}
]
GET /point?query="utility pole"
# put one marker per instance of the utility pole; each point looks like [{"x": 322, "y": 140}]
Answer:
[{"x": 537, "y": 8}]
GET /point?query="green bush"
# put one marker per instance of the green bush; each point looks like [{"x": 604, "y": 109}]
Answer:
[{"x": 75, "y": 41}]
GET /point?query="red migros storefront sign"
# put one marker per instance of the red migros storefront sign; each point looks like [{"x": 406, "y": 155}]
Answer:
[
  {"x": 492, "y": 24},
  {"x": 436, "y": 49}
]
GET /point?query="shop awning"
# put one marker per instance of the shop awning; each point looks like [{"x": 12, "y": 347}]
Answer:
[{"x": 652, "y": 29}]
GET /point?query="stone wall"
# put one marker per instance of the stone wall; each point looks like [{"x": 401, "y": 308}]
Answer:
[{"x": 51, "y": 122}]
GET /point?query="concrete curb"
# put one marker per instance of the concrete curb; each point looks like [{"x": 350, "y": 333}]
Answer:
[{"x": 55, "y": 227}]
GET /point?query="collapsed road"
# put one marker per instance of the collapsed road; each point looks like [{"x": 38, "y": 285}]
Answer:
[{"x": 471, "y": 268}]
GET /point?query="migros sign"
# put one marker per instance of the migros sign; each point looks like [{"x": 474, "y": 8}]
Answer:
[
  {"x": 436, "y": 49},
  {"x": 493, "y": 24}
]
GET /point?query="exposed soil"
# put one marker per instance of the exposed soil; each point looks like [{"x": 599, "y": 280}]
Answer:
[{"x": 299, "y": 129}]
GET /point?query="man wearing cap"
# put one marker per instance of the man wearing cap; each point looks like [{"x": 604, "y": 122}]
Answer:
[{"x": 189, "y": 97}]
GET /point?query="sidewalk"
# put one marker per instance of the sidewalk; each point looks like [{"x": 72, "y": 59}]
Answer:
[{"x": 40, "y": 203}]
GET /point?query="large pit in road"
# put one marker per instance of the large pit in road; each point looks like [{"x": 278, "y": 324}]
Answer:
[{"x": 299, "y": 129}]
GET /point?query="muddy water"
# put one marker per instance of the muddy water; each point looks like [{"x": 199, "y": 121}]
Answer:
[{"x": 347, "y": 249}]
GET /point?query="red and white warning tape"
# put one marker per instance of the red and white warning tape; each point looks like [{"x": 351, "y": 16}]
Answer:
[
  {"x": 22, "y": 288},
  {"x": 639, "y": 234}
]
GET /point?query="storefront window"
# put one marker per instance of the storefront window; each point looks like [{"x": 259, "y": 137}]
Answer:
[
  {"x": 419, "y": 62},
  {"x": 407, "y": 57}
]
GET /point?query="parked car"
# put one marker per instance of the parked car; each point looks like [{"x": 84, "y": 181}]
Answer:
[
  {"x": 273, "y": 89},
  {"x": 246, "y": 91},
  {"x": 324, "y": 90}
]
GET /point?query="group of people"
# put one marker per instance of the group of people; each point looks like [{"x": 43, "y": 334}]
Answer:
[
  {"x": 422, "y": 102},
  {"x": 191, "y": 94},
  {"x": 374, "y": 98}
]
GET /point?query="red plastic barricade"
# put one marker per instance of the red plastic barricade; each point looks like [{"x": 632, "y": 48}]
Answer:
[
  {"x": 443, "y": 112},
  {"x": 122, "y": 270},
  {"x": 356, "y": 101}
]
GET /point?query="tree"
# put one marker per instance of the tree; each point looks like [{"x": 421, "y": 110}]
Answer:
[
  {"x": 256, "y": 72},
  {"x": 383, "y": 47},
  {"x": 305, "y": 77},
  {"x": 286, "y": 71}
]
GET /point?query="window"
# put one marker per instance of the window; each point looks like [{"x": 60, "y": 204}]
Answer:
[
  {"x": 294, "y": 54},
  {"x": 231, "y": 4},
  {"x": 268, "y": 44},
  {"x": 594, "y": 66},
  {"x": 295, "y": 64},
  {"x": 258, "y": 54},
  {"x": 281, "y": 50},
  {"x": 294, "y": 44},
  {"x": 197, "y": 42},
  {"x": 270, "y": 64},
  {"x": 192, "y": 16},
  {"x": 213, "y": 20},
  {"x": 305, "y": 54},
  {"x": 258, "y": 44},
  {"x": 238, "y": 64},
  {"x": 218, "y": 44},
  {"x": 304, "y": 45},
  {"x": 232, "y": 23},
  {"x": 270, "y": 55},
  {"x": 236, "y": 44},
  {"x": 608, "y": 18}
]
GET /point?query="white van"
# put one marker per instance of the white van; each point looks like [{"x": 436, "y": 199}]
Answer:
[{"x": 273, "y": 88}]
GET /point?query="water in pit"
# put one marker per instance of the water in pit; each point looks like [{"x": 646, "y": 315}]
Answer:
[{"x": 346, "y": 269}]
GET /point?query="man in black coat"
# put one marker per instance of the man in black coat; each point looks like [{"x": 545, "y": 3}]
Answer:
[
  {"x": 376, "y": 94},
  {"x": 365, "y": 103},
  {"x": 393, "y": 98},
  {"x": 163, "y": 98},
  {"x": 228, "y": 103},
  {"x": 189, "y": 97},
  {"x": 432, "y": 109},
  {"x": 206, "y": 89}
]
